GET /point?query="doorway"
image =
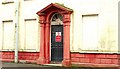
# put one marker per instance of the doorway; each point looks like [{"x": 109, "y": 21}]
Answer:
[
  {"x": 60, "y": 16},
  {"x": 56, "y": 38},
  {"x": 56, "y": 43}
]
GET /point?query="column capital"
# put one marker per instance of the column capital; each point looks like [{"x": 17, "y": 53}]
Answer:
[
  {"x": 66, "y": 18},
  {"x": 66, "y": 24},
  {"x": 42, "y": 19},
  {"x": 47, "y": 22}
]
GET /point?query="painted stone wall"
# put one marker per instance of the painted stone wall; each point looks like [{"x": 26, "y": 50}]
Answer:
[
  {"x": 107, "y": 24},
  {"x": 106, "y": 11}
]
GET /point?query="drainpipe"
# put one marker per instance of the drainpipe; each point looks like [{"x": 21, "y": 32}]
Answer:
[{"x": 16, "y": 30}]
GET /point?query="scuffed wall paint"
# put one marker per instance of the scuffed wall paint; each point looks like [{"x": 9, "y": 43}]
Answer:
[{"x": 107, "y": 11}]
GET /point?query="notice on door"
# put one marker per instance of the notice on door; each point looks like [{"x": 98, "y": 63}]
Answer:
[{"x": 58, "y": 37}]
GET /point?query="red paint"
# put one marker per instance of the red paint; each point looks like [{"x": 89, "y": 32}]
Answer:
[
  {"x": 27, "y": 56},
  {"x": 84, "y": 60},
  {"x": 115, "y": 61},
  {"x": 91, "y": 60},
  {"x": 41, "y": 59},
  {"x": 105, "y": 61},
  {"x": 31, "y": 57},
  {"x": 7, "y": 60},
  {"x": 95, "y": 58},
  {"x": 79, "y": 55},
  {"x": 97, "y": 61},
  {"x": 66, "y": 61},
  {"x": 58, "y": 37},
  {"x": 100, "y": 56},
  {"x": 47, "y": 42},
  {"x": 45, "y": 16},
  {"x": 111, "y": 56},
  {"x": 89, "y": 55},
  {"x": 75, "y": 59}
]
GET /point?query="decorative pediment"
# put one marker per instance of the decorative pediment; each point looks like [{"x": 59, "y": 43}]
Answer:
[{"x": 54, "y": 6}]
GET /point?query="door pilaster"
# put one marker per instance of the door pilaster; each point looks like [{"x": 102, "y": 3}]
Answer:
[
  {"x": 66, "y": 55},
  {"x": 41, "y": 59}
]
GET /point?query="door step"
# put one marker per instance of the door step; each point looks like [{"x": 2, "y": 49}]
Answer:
[{"x": 53, "y": 64}]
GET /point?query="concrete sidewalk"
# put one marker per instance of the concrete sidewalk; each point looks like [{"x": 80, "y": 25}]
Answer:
[{"x": 10, "y": 64}]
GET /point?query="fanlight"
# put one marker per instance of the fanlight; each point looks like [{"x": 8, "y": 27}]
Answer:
[{"x": 56, "y": 19}]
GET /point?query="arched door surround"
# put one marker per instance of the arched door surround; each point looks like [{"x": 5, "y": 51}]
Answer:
[{"x": 45, "y": 24}]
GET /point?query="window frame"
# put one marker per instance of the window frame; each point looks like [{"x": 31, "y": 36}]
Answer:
[
  {"x": 7, "y": 2},
  {"x": 3, "y": 35},
  {"x": 90, "y": 50}
]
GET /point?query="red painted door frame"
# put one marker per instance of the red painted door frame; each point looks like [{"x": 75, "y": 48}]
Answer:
[{"x": 45, "y": 16}]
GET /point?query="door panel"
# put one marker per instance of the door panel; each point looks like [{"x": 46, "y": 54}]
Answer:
[{"x": 56, "y": 43}]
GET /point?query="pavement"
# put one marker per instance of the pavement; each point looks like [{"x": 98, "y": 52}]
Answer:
[{"x": 11, "y": 65}]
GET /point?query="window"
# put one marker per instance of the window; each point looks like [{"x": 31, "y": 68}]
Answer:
[
  {"x": 90, "y": 32},
  {"x": 8, "y": 35},
  {"x": 56, "y": 19},
  {"x": 31, "y": 35}
]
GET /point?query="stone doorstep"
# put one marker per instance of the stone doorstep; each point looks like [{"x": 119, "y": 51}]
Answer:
[{"x": 53, "y": 64}]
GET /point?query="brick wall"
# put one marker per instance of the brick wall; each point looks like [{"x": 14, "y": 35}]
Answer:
[
  {"x": 9, "y": 56},
  {"x": 94, "y": 58}
]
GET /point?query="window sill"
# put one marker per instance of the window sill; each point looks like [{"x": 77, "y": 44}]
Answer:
[
  {"x": 7, "y": 2},
  {"x": 95, "y": 52}
]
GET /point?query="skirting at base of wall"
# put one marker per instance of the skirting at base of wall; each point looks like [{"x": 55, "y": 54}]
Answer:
[
  {"x": 95, "y": 59},
  {"x": 93, "y": 65},
  {"x": 27, "y": 57},
  {"x": 7, "y": 60},
  {"x": 79, "y": 59}
]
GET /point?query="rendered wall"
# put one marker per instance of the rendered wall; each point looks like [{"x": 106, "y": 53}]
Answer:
[
  {"x": 107, "y": 24},
  {"x": 107, "y": 11}
]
